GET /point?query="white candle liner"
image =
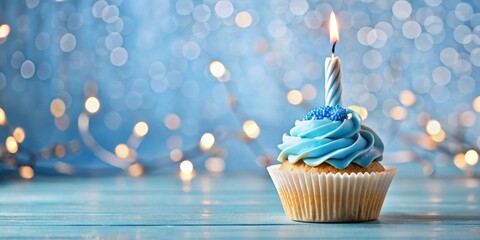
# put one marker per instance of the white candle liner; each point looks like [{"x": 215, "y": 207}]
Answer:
[{"x": 314, "y": 197}]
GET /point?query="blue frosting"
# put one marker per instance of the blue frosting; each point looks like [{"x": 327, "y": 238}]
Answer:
[
  {"x": 335, "y": 113},
  {"x": 336, "y": 142}
]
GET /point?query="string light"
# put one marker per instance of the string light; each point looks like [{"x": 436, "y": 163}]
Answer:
[
  {"x": 140, "y": 129},
  {"x": 215, "y": 164},
  {"x": 19, "y": 134},
  {"x": 4, "y": 30},
  {"x": 60, "y": 151},
  {"x": 433, "y": 127},
  {"x": 26, "y": 172},
  {"x": 57, "y": 107},
  {"x": 3, "y": 117},
  {"x": 186, "y": 167},
  {"x": 471, "y": 157},
  {"x": 459, "y": 161},
  {"x": 92, "y": 105},
  {"x": 135, "y": 170},
  {"x": 206, "y": 141},
  {"x": 122, "y": 151},
  {"x": 439, "y": 137},
  {"x": 251, "y": 129},
  {"x": 11, "y": 145}
]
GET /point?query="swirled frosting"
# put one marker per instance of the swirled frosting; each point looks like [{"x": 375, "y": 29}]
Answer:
[{"x": 338, "y": 143}]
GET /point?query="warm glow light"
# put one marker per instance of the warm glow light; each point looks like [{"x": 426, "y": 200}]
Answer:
[
  {"x": 459, "y": 161},
  {"x": 217, "y": 69},
  {"x": 172, "y": 121},
  {"x": 57, "y": 107},
  {"x": 3, "y": 117},
  {"x": 398, "y": 113},
  {"x": 243, "y": 19},
  {"x": 60, "y": 151},
  {"x": 294, "y": 97},
  {"x": 476, "y": 104},
  {"x": 251, "y": 129},
  {"x": 186, "y": 167},
  {"x": 135, "y": 170},
  {"x": 4, "y": 30},
  {"x": 19, "y": 134},
  {"x": 439, "y": 137},
  {"x": 471, "y": 157},
  {"x": 333, "y": 28},
  {"x": 215, "y": 164},
  {"x": 122, "y": 150},
  {"x": 11, "y": 145},
  {"x": 140, "y": 129},
  {"x": 407, "y": 98},
  {"x": 468, "y": 118},
  {"x": 433, "y": 127},
  {"x": 206, "y": 141},
  {"x": 26, "y": 172},
  {"x": 309, "y": 92},
  {"x": 363, "y": 112},
  {"x": 176, "y": 155},
  {"x": 92, "y": 105}
]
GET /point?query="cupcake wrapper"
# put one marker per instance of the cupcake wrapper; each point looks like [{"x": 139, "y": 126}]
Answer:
[{"x": 314, "y": 197}]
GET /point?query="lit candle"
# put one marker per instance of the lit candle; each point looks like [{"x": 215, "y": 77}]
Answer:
[{"x": 333, "y": 74}]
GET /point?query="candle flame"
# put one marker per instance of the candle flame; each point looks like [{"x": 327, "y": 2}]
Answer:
[{"x": 333, "y": 28}]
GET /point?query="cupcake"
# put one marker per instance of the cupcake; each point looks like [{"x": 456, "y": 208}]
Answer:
[{"x": 330, "y": 168}]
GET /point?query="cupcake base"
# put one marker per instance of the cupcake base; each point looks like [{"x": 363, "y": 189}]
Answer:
[{"x": 321, "y": 197}]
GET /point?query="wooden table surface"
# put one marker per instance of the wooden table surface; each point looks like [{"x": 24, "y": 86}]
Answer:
[{"x": 222, "y": 206}]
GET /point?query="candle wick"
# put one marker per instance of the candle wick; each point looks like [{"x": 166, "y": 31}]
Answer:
[{"x": 333, "y": 47}]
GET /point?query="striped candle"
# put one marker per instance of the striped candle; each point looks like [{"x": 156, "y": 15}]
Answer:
[{"x": 333, "y": 82}]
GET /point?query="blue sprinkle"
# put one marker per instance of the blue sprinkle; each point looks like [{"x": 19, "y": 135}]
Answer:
[{"x": 335, "y": 113}]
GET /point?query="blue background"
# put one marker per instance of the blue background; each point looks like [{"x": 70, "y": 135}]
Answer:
[{"x": 147, "y": 59}]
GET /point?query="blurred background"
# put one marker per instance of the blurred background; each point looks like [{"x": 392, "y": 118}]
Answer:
[{"x": 113, "y": 87}]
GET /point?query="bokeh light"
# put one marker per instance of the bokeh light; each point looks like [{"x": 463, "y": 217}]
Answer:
[
  {"x": 251, "y": 129},
  {"x": 11, "y": 145},
  {"x": 215, "y": 164},
  {"x": 140, "y": 129},
  {"x": 243, "y": 19},
  {"x": 19, "y": 134},
  {"x": 172, "y": 121},
  {"x": 135, "y": 170},
  {"x": 92, "y": 105},
  {"x": 186, "y": 167},
  {"x": 433, "y": 127},
  {"x": 471, "y": 157},
  {"x": 363, "y": 112},
  {"x": 57, "y": 107},
  {"x": 122, "y": 151},
  {"x": 26, "y": 172},
  {"x": 4, "y": 30},
  {"x": 3, "y": 117},
  {"x": 217, "y": 69},
  {"x": 294, "y": 97},
  {"x": 207, "y": 141}
]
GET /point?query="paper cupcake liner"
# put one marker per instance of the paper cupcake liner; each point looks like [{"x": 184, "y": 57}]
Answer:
[{"x": 314, "y": 197}]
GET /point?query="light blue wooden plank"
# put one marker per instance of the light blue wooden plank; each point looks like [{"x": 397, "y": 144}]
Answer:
[{"x": 221, "y": 207}]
